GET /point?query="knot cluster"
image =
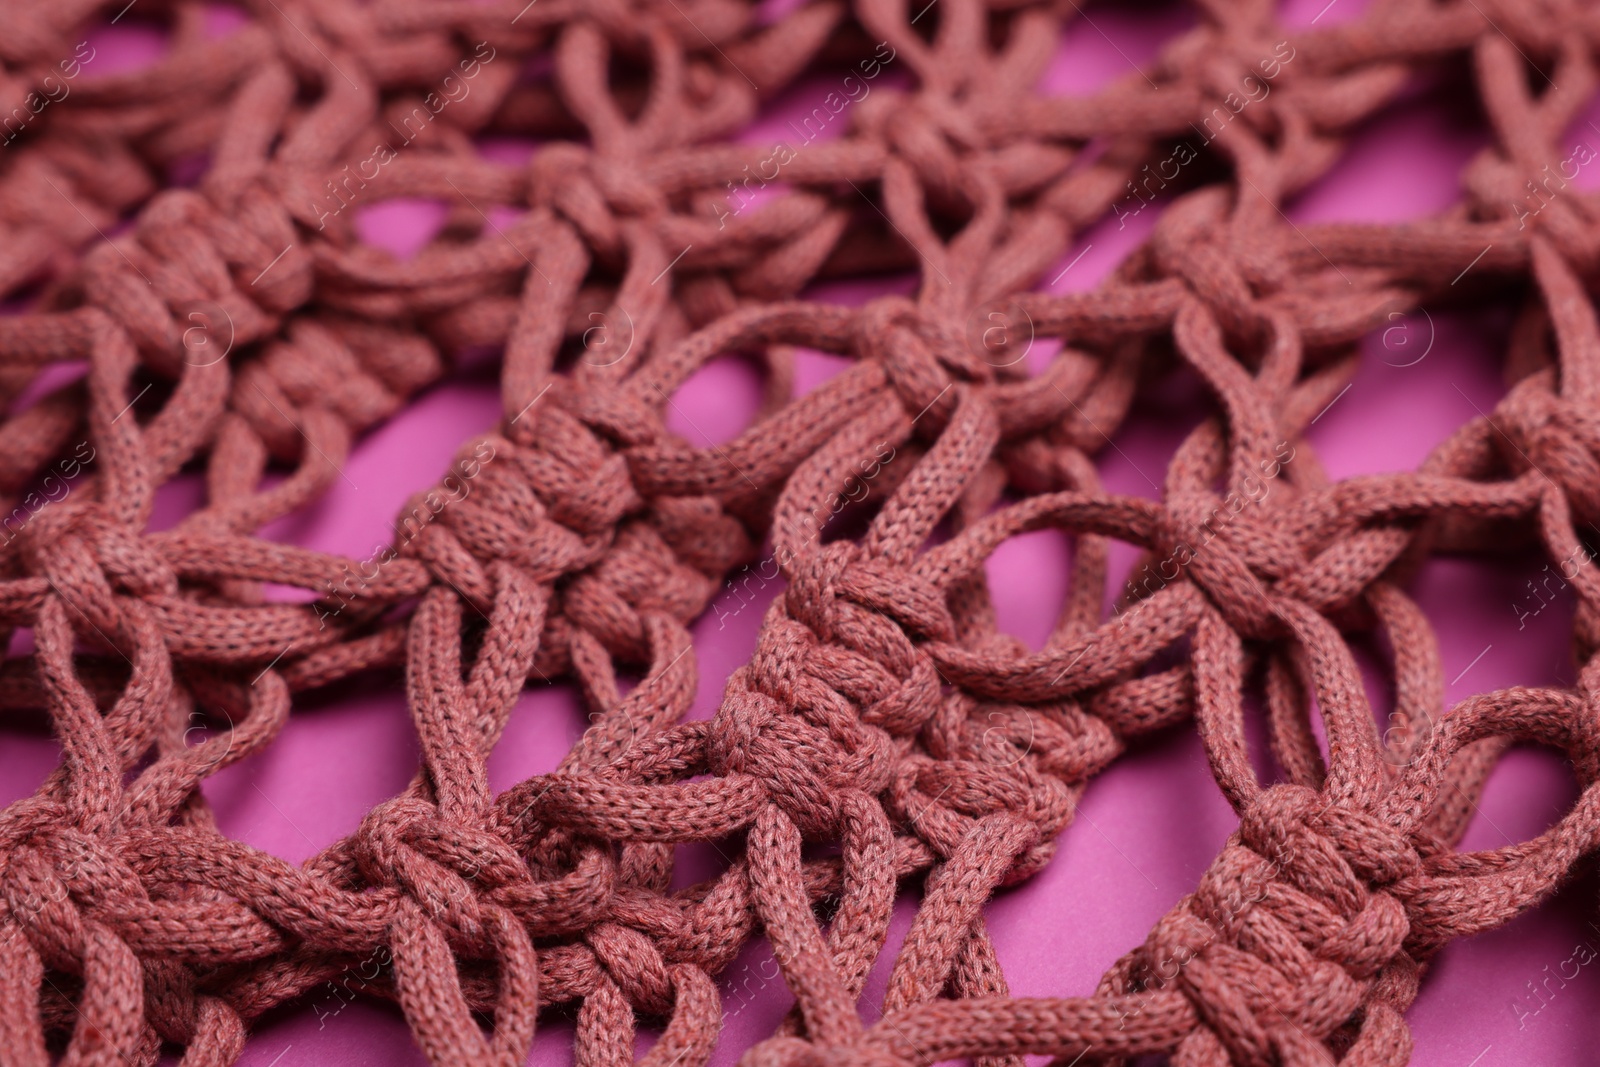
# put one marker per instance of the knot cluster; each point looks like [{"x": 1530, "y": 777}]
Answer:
[{"x": 240, "y": 334}]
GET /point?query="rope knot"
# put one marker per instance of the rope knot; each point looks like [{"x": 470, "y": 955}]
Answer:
[
  {"x": 1555, "y": 436},
  {"x": 635, "y": 964},
  {"x": 444, "y": 867},
  {"x": 1227, "y": 549},
  {"x": 815, "y": 585},
  {"x": 1290, "y": 928}
]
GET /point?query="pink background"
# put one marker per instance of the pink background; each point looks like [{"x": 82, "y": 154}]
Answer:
[{"x": 1150, "y": 825}]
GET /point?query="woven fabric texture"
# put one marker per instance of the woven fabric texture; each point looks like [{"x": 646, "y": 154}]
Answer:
[{"x": 185, "y": 233}]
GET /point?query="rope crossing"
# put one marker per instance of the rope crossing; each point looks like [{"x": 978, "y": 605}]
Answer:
[{"x": 185, "y": 233}]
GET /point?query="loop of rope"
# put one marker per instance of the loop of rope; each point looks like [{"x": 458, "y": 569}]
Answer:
[{"x": 885, "y": 728}]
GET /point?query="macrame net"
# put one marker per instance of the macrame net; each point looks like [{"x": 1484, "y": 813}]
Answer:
[{"x": 885, "y": 738}]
